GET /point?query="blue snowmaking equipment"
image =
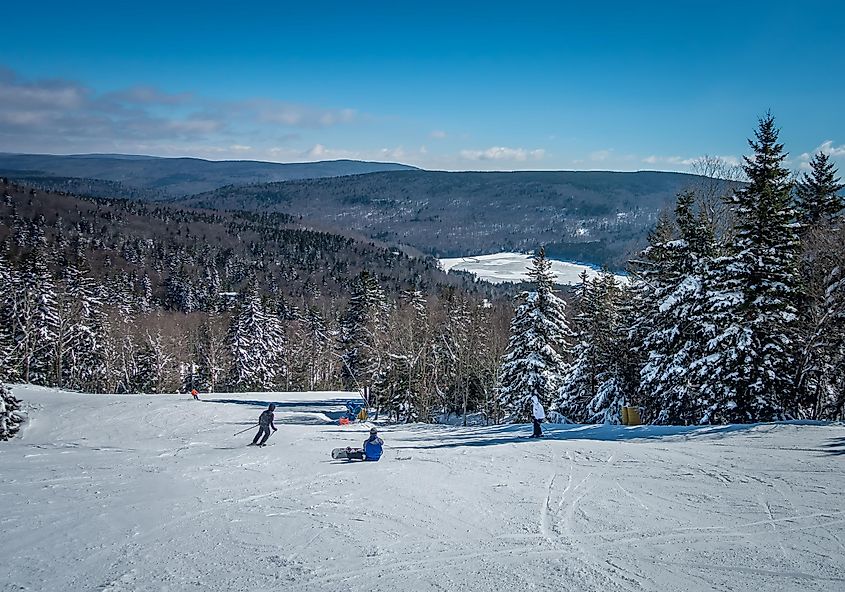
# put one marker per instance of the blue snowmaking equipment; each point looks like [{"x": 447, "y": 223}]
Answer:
[{"x": 354, "y": 408}]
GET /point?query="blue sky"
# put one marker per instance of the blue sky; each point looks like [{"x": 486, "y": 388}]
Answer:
[{"x": 446, "y": 85}]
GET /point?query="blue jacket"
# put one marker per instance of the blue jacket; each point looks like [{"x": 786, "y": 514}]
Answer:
[{"x": 372, "y": 448}]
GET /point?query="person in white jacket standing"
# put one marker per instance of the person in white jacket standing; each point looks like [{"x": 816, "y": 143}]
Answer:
[{"x": 538, "y": 415}]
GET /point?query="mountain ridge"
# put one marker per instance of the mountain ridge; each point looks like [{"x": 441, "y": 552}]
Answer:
[{"x": 166, "y": 177}]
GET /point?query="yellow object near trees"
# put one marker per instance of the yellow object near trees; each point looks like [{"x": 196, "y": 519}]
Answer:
[
  {"x": 362, "y": 415},
  {"x": 631, "y": 416}
]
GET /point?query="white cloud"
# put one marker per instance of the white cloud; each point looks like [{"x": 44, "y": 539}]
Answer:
[
  {"x": 66, "y": 116},
  {"x": 438, "y": 134},
  {"x": 682, "y": 161},
  {"x": 828, "y": 148},
  {"x": 322, "y": 152},
  {"x": 294, "y": 115},
  {"x": 503, "y": 153}
]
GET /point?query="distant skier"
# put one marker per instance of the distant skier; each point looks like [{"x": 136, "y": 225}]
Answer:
[
  {"x": 537, "y": 415},
  {"x": 371, "y": 451},
  {"x": 265, "y": 424},
  {"x": 195, "y": 394}
]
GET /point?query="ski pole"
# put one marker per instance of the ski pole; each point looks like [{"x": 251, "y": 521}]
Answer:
[{"x": 246, "y": 430}]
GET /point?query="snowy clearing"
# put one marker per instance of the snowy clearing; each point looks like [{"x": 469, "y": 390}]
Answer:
[
  {"x": 512, "y": 267},
  {"x": 111, "y": 493}
]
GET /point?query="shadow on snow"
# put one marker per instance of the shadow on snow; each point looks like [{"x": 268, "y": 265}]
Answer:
[
  {"x": 296, "y": 412},
  {"x": 450, "y": 437},
  {"x": 835, "y": 447}
]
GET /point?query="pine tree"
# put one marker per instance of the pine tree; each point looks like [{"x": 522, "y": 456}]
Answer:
[
  {"x": 81, "y": 359},
  {"x": 613, "y": 387},
  {"x": 362, "y": 333},
  {"x": 679, "y": 327},
  {"x": 153, "y": 367},
  {"x": 534, "y": 362},
  {"x": 8, "y": 367},
  {"x": 601, "y": 379},
  {"x": 10, "y": 414},
  {"x": 450, "y": 352},
  {"x": 746, "y": 374},
  {"x": 579, "y": 384},
  {"x": 817, "y": 192},
  {"x": 255, "y": 343},
  {"x": 821, "y": 333},
  {"x": 34, "y": 319},
  {"x": 816, "y": 333}
]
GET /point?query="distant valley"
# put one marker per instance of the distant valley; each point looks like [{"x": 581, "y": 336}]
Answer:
[{"x": 592, "y": 217}]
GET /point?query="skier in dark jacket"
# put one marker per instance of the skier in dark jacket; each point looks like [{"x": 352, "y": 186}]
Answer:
[{"x": 265, "y": 424}]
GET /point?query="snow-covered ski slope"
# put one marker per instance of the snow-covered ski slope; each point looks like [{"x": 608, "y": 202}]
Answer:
[
  {"x": 513, "y": 267},
  {"x": 111, "y": 493}
]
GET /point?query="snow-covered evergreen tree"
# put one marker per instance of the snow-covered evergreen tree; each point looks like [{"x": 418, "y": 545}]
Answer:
[
  {"x": 80, "y": 347},
  {"x": 599, "y": 381},
  {"x": 534, "y": 363},
  {"x": 614, "y": 389},
  {"x": 8, "y": 368},
  {"x": 747, "y": 374},
  {"x": 362, "y": 334},
  {"x": 818, "y": 332},
  {"x": 679, "y": 327},
  {"x": 11, "y": 416},
  {"x": 153, "y": 367},
  {"x": 820, "y": 387},
  {"x": 579, "y": 383},
  {"x": 255, "y": 343},
  {"x": 34, "y": 318},
  {"x": 450, "y": 353}
]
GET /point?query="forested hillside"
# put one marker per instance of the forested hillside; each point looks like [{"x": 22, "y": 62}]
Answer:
[
  {"x": 118, "y": 296},
  {"x": 155, "y": 177},
  {"x": 595, "y": 217}
]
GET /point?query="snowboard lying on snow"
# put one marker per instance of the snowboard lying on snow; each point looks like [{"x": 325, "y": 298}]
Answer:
[{"x": 348, "y": 453}]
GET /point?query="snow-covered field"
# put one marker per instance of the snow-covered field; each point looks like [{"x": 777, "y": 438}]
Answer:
[
  {"x": 513, "y": 267},
  {"x": 112, "y": 493}
]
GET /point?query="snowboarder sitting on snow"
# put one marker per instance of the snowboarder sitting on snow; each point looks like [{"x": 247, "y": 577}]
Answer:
[
  {"x": 372, "y": 448},
  {"x": 537, "y": 415},
  {"x": 265, "y": 423}
]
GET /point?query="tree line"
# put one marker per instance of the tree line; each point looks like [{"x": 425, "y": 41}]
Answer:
[
  {"x": 735, "y": 312},
  {"x": 732, "y": 313},
  {"x": 416, "y": 354}
]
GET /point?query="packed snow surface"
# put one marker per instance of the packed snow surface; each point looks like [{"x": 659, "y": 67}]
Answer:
[
  {"x": 112, "y": 493},
  {"x": 513, "y": 267}
]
